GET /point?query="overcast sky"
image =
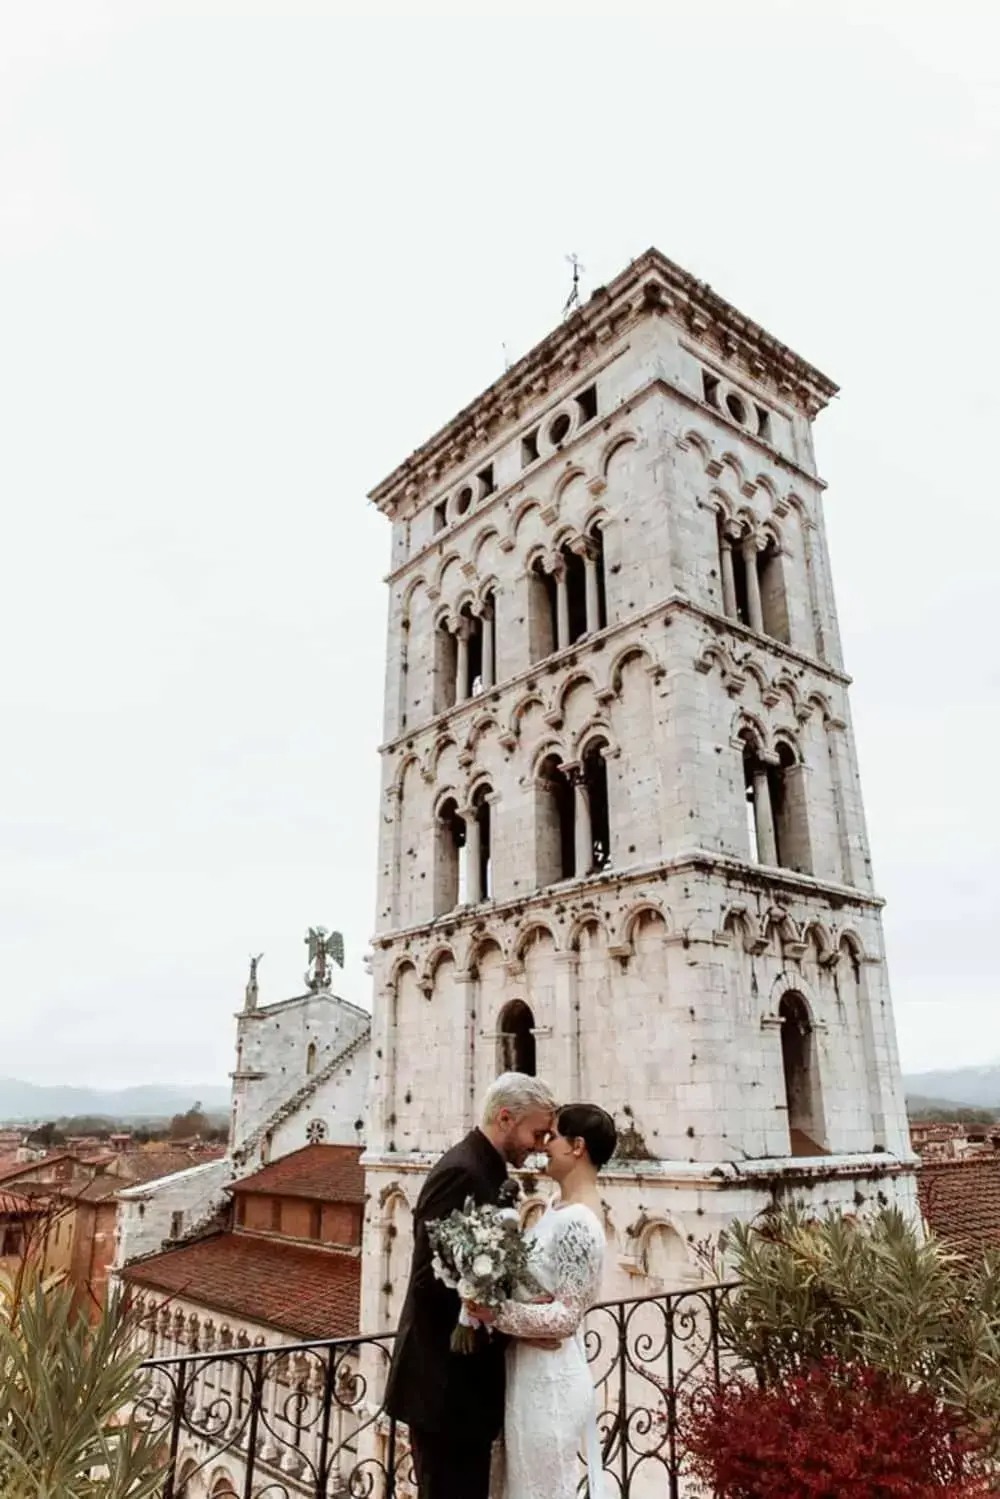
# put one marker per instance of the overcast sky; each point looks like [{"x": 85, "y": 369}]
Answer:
[{"x": 251, "y": 254}]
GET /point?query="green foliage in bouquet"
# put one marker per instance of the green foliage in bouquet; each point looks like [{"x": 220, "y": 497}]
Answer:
[
  {"x": 66, "y": 1392},
  {"x": 871, "y": 1293}
]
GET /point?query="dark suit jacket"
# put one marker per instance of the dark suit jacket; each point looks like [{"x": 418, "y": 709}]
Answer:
[{"x": 429, "y": 1387}]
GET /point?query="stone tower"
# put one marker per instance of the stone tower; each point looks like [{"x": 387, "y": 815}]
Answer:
[{"x": 621, "y": 836}]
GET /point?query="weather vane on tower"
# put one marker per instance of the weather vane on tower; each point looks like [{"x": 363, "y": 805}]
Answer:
[{"x": 573, "y": 300}]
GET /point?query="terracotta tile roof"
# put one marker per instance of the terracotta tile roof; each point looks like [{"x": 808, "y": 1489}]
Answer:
[
  {"x": 99, "y": 1190},
  {"x": 18, "y": 1202},
  {"x": 960, "y": 1199},
  {"x": 310, "y": 1293},
  {"x": 329, "y": 1173},
  {"x": 22, "y": 1168}
]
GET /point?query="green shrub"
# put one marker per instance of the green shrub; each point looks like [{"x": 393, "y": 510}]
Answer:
[
  {"x": 66, "y": 1389},
  {"x": 873, "y": 1293}
]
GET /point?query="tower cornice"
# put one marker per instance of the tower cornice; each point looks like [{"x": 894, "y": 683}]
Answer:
[
  {"x": 651, "y": 286},
  {"x": 770, "y": 881}
]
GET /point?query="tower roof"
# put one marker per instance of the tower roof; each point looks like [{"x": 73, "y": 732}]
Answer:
[{"x": 651, "y": 285}]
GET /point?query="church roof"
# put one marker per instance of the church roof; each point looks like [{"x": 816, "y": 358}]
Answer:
[
  {"x": 324, "y": 1173},
  {"x": 311, "y": 1293}
]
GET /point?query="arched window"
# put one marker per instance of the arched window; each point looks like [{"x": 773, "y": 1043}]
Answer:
[
  {"x": 777, "y": 810},
  {"x": 598, "y": 605},
  {"x": 449, "y": 857},
  {"x": 575, "y": 575},
  {"x": 595, "y": 848},
  {"x": 554, "y": 823},
  {"x": 753, "y": 579},
  {"x": 187, "y": 1474},
  {"x": 480, "y": 858},
  {"x": 310, "y": 1059},
  {"x": 733, "y": 565},
  {"x": 516, "y": 1039},
  {"x": 482, "y": 659},
  {"x": 470, "y": 652},
  {"x": 803, "y": 1095}
]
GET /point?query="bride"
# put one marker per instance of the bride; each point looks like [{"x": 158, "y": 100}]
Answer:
[{"x": 550, "y": 1413}]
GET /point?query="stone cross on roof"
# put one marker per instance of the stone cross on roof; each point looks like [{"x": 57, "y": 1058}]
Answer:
[{"x": 324, "y": 947}]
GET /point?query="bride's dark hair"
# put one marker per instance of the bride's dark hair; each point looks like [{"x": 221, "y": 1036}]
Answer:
[{"x": 592, "y": 1125}]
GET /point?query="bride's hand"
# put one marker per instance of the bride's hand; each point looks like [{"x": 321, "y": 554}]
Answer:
[{"x": 483, "y": 1314}]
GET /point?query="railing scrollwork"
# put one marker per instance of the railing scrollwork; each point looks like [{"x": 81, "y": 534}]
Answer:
[{"x": 305, "y": 1420}]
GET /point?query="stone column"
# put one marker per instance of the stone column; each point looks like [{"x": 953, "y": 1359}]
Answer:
[
  {"x": 465, "y": 984},
  {"x": 562, "y": 609},
  {"x": 489, "y": 675},
  {"x": 753, "y": 585},
  {"x": 583, "y": 835},
  {"x": 565, "y": 1029},
  {"x": 593, "y": 593},
  {"x": 763, "y": 816},
  {"x": 473, "y": 857},
  {"x": 462, "y": 662},
  {"x": 728, "y": 576},
  {"x": 796, "y": 835}
]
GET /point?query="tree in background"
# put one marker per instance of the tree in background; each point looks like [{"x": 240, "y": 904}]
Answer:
[
  {"x": 194, "y": 1124},
  {"x": 933, "y": 1113}
]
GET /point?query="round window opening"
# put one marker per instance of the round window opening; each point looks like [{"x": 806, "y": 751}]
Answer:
[
  {"x": 736, "y": 408},
  {"x": 463, "y": 500},
  {"x": 559, "y": 430}
]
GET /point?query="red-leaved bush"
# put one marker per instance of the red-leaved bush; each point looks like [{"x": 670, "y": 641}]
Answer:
[{"x": 833, "y": 1432}]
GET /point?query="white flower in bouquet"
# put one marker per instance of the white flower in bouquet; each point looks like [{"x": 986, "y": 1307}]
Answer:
[{"x": 442, "y": 1273}]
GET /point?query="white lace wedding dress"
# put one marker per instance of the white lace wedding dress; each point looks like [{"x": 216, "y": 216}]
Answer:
[{"x": 550, "y": 1415}]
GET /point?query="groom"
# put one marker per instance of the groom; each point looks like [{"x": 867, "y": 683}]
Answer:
[{"x": 453, "y": 1402}]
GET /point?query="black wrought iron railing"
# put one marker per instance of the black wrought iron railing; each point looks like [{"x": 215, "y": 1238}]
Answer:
[{"x": 305, "y": 1421}]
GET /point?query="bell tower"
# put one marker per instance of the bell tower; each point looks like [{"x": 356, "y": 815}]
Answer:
[{"x": 622, "y": 838}]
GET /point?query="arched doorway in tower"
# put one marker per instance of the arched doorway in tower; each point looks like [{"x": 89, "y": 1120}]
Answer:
[
  {"x": 800, "y": 1065},
  {"x": 516, "y": 1039}
]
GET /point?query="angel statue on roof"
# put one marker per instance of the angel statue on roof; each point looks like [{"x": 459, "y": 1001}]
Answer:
[{"x": 324, "y": 947}]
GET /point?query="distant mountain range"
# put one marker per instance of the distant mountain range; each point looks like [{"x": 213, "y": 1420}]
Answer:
[
  {"x": 31, "y": 1101},
  {"x": 977, "y": 1087}
]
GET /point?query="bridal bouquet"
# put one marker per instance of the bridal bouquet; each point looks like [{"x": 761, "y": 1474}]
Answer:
[{"x": 481, "y": 1253}]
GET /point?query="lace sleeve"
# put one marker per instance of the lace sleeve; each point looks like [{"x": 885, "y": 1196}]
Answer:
[{"x": 578, "y": 1255}]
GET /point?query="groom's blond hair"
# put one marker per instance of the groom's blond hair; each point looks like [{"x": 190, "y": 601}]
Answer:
[{"x": 519, "y": 1094}]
